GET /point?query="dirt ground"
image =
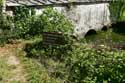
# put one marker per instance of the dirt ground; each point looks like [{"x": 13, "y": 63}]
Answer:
[{"x": 17, "y": 73}]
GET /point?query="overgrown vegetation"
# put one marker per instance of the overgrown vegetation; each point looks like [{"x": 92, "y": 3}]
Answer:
[
  {"x": 74, "y": 62},
  {"x": 36, "y": 72},
  {"x": 83, "y": 64},
  {"x": 117, "y": 10},
  {"x": 88, "y": 65}
]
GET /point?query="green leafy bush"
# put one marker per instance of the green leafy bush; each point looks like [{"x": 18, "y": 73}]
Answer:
[
  {"x": 23, "y": 19},
  {"x": 84, "y": 64},
  {"x": 50, "y": 21},
  {"x": 88, "y": 65},
  {"x": 55, "y": 22},
  {"x": 28, "y": 24}
]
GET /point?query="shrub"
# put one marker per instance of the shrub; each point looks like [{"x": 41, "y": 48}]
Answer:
[
  {"x": 50, "y": 21},
  {"x": 89, "y": 65},
  {"x": 22, "y": 21},
  {"x": 84, "y": 64},
  {"x": 28, "y": 24}
]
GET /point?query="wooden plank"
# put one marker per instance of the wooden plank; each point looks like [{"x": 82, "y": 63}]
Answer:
[{"x": 52, "y": 38}]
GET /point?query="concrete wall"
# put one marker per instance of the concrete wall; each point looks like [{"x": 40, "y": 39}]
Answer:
[{"x": 85, "y": 17}]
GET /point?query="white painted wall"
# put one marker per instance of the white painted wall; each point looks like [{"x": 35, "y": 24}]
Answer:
[{"x": 86, "y": 17}]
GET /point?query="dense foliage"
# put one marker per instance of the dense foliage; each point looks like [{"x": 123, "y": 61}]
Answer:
[
  {"x": 88, "y": 65},
  {"x": 51, "y": 21},
  {"x": 80, "y": 62},
  {"x": 29, "y": 24},
  {"x": 25, "y": 23},
  {"x": 83, "y": 63},
  {"x": 23, "y": 19},
  {"x": 117, "y": 10}
]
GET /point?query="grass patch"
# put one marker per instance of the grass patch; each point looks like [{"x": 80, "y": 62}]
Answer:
[
  {"x": 36, "y": 72},
  {"x": 106, "y": 36},
  {"x": 6, "y": 71}
]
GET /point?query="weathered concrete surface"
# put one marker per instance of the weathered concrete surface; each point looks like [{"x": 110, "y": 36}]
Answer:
[{"x": 85, "y": 17}]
